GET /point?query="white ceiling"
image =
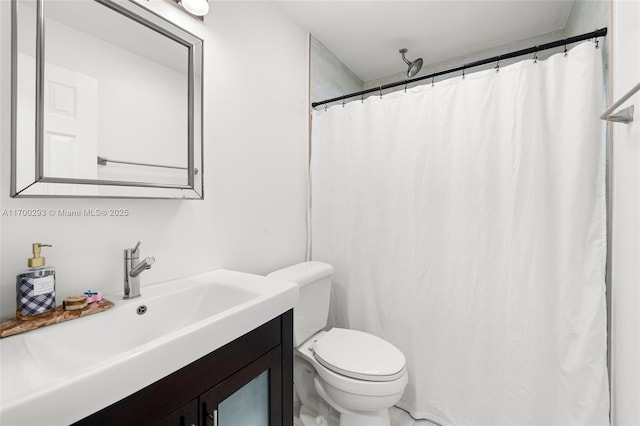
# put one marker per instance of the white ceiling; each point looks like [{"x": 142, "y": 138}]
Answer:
[{"x": 366, "y": 35}]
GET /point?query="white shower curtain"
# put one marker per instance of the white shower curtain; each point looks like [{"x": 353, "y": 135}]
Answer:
[{"x": 466, "y": 223}]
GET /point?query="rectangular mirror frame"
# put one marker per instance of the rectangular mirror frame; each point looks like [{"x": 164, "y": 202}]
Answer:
[{"x": 111, "y": 188}]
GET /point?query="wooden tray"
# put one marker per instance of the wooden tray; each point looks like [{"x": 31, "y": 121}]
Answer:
[{"x": 15, "y": 326}]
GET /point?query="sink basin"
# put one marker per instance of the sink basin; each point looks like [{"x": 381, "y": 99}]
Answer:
[
  {"x": 75, "y": 368},
  {"x": 168, "y": 310}
]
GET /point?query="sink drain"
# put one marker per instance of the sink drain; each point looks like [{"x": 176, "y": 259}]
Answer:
[{"x": 142, "y": 309}]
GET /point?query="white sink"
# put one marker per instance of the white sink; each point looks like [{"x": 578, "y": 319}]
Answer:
[{"x": 62, "y": 373}]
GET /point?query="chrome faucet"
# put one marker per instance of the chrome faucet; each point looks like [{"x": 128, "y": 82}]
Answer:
[{"x": 132, "y": 269}]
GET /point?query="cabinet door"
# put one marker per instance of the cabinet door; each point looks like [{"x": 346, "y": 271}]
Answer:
[
  {"x": 187, "y": 415},
  {"x": 252, "y": 396}
]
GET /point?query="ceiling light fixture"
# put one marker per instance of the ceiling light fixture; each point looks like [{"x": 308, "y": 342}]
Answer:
[{"x": 195, "y": 7}]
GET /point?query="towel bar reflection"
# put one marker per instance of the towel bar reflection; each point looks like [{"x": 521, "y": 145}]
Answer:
[
  {"x": 625, "y": 115},
  {"x": 103, "y": 162}
]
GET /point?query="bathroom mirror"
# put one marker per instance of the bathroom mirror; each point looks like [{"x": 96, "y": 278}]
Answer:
[{"x": 106, "y": 102}]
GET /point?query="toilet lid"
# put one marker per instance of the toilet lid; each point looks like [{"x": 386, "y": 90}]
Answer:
[{"x": 359, "y": 355}]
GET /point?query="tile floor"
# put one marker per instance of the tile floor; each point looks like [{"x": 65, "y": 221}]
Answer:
[{"x": 398, "y": 417}]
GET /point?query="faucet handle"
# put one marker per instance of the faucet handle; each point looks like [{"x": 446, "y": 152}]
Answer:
[
  {"x": 135, "y": 249},
  {"x": 132, "y": 252}
]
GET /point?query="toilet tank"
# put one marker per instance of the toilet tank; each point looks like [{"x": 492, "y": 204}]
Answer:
[{"x": 314, "y": 280}]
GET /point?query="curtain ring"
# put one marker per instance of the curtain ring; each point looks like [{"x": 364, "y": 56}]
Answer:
[
  {"x": 565, "y": 48},
  {"x": 535, "y": 56},
  {"x": 325, "y": 107},
  {"x": 597, "y": 43},
  {"x": 343, "y": 103},
  {"x": 498, "y": 64},
  {"x": 405, "y": 87},
  {"x": 362, "y": 98},
  {"x": 433, "y": 81},
  {"x": 463, "y": 67},
  {"x": 381, "y": 91}
]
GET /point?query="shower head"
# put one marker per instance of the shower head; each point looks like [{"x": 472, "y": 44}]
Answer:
[{"x": 414, "y": 66}]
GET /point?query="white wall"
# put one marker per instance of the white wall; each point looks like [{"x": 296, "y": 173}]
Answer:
[
  {"x": 625, "y": 217},
  {"x": 255, "y": 129}
]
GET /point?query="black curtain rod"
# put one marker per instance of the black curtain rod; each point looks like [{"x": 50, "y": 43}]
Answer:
[{"x": 595, "y": 34}]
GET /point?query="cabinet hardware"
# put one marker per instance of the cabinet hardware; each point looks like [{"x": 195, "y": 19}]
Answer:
[{"x": 214, "y": 416}]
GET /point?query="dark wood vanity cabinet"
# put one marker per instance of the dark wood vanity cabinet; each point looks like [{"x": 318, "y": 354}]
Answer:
[
  {"x": 186, "y": 415},
  {"x": 254, "y": 371}
]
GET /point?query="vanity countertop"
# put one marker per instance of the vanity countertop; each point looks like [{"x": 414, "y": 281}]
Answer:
[{"x": 62, "y": 373}]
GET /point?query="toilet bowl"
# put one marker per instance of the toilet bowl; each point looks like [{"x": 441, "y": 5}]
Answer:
[
  {"x": 360, "y": 388},
  {"x": 357, "y": 374}
]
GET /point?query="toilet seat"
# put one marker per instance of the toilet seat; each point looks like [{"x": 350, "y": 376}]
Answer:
[{"x": 359, "y": 355}]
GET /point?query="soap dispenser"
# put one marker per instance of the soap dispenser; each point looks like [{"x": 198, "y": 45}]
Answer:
[{"x": 36, "y": 287}]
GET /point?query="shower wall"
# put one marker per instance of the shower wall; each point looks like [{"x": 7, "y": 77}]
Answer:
[
  {"x": 329, "y": 76},
  {"x": 585, "y": 16},
  {"x": 458, "y": 60}
]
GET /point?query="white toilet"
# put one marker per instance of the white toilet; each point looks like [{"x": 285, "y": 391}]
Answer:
[{"x": 359, "y": 375}]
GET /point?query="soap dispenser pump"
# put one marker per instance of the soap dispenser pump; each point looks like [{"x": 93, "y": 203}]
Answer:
[{"x": 36, "y": 287}]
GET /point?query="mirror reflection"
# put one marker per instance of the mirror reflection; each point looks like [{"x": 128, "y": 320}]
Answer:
[{"x": 117, "y": 102}]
